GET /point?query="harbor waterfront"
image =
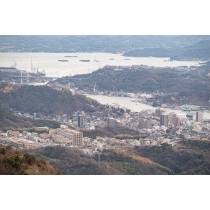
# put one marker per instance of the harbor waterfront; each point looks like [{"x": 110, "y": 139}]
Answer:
[
  {"x": 82, "y": 63},
  {"x": 134, "y": 105},
  {"x": 53, "y": 65}
]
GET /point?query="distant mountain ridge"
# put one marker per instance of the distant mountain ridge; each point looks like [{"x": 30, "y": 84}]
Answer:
[
  {"x": 204, "y": 44},
  {"x": 94, "y": 43}
]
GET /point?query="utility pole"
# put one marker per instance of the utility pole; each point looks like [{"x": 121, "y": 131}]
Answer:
[
  {"x": 27, "y": 77},
  {"x": 99, "y": 157},
  {"x": 94, "y": 89}
]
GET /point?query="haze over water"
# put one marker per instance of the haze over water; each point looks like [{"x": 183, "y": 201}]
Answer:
[
  {"x": 133, "y": 105},
  {"x": 49, "y": 62},
  {"x": 54, "y": 68}
]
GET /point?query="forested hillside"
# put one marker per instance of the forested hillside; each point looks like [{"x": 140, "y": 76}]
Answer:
[
  {"x": 187, "y": 157},
  {"x": 190, "y": 85},
  {"x": 18, "y": 163},
  {"x": 47, "y": 101}
]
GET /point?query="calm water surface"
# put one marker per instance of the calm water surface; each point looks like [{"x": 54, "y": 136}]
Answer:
[
  {"x": 73, "y": 66},
  {"x": 130, "y": 103},
  {"x": 49, "y": 62}
]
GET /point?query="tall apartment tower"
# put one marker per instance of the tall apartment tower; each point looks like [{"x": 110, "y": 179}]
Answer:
[
  {"x": 81, "y": 121},
  {"x": 198, "y": 116},
  {"x": 164, "y": 120},
  {"x": 174, "y": 120},
  {"x": 145, "y": 123},
  {"x": 158, "y": 112}
]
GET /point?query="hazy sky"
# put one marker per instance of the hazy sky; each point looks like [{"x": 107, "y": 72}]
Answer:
[{"x": 104, "y": 17}]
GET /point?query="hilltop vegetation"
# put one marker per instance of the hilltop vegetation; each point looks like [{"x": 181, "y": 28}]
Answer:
[
  {"x": 188, "y": 157},
  {"x": 18, "y": 163},
  {"x": 47, "y": 101},
  {"x": 10, "y": 121},
  {"x": 72, "y": 161},
  {"x": 13, "y": 122},
  {"x": 43, "y": 101},
  {"x": 181, "y": 85}
]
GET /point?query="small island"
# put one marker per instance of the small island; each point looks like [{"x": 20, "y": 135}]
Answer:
[{"x": 63, "y": 60}]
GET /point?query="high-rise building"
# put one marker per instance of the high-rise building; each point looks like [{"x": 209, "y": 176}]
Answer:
[
  {"x": 198, "y": 116},
  {"x": 176, "y": 122},
  {"x": 145, "y": 123},
  {"x": 173, "y": 119},
  {"x": 158, "y": 112},
  {"x": 81, "y": 121},
  {"x": 164, "y": 120}
]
